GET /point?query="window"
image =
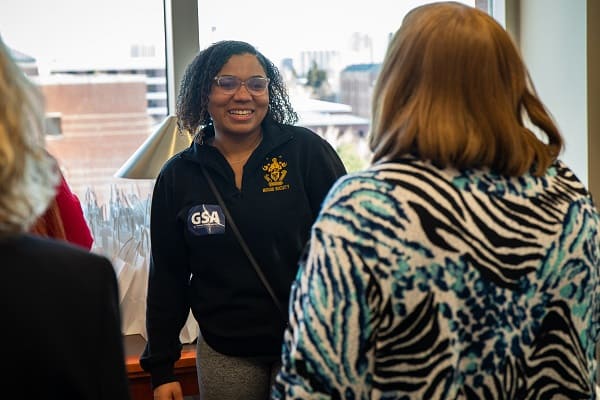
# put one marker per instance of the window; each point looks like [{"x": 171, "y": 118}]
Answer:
[
  {"x": 102, "y": 68},
  {"x": 329, "y": 52}
]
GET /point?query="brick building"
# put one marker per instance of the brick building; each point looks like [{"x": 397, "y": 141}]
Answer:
[{"x": 95, "y": 122}]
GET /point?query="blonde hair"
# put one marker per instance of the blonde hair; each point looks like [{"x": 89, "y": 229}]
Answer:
[
  {"x": 454, "y": 90},
  {"x": 28, "y": 174}
]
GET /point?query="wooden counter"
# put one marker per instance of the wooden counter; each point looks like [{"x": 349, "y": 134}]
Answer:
[{"x": 139, "y": 380}]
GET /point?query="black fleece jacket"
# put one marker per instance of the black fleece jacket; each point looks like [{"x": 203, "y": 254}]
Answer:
[{"x": 197, "y": 261}]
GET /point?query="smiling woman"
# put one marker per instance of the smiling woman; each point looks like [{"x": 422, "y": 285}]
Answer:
[
  {"x": 272, "y": 177},
  {"x": 237, "y": 110}
]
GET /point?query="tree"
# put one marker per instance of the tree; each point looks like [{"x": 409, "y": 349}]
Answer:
[
  {"x": 315, "y": 77},
  {"x": 350, "y": 157}
]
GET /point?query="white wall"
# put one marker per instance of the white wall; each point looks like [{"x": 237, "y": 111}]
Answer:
[
  {"x": 593, "y": 94},
  {"x": 553, "y": 39}
]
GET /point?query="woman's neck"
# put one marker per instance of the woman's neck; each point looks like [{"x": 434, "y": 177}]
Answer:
[{"x": 237, "y": 149}]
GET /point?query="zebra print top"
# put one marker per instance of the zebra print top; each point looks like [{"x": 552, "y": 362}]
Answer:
[{"x": 429, "y": 283}]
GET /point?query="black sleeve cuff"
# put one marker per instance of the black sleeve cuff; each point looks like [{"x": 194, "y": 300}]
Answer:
[{"x": 161, "y": 375}]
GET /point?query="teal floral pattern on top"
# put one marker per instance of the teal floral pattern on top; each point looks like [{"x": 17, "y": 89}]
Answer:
[{"x": 429, "y": 283}]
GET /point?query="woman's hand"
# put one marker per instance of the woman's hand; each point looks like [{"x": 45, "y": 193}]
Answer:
[{"x": 168, "y": 391}]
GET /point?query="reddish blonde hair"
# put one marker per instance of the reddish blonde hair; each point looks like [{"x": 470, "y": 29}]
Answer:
[{"x": 454, "y": 90}]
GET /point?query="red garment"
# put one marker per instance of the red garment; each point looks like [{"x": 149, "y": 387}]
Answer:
[{"x": 76, "y": 227}]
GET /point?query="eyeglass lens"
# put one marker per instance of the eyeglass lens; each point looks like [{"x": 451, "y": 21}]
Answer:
[{"x": 232, "y": 83}]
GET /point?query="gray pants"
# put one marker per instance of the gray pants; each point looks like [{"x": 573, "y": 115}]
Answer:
[{"x": 222, "y": 377}]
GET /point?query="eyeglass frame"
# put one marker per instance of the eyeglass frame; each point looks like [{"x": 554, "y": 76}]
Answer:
[{"x": 241, "y": 83}]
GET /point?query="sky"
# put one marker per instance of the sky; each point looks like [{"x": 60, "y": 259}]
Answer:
[
  {"x": 283, "y": 27},
  {"x": 62, "y": 31},
  {"x": 59, "y": 30}
]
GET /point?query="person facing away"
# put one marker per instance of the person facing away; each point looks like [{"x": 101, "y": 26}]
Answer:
[
  {"x": 61, "y": 324},
  {"x": 272, "y": 177},
  {"x": 64, "y": 218},
  {"x": 464, "y": 262}
]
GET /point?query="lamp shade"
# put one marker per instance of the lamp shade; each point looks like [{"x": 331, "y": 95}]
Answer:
[{"x": 162, "y": 144}]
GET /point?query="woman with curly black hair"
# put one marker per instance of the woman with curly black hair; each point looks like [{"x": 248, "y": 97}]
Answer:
[{"x": 272, "y": 177}]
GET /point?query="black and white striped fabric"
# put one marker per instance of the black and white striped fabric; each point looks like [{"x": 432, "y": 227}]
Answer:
[{"x": 430, "y": 283}]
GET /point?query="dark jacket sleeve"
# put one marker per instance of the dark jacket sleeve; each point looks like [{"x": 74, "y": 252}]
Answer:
[
  {"x": 113, "y": 380},
  {"x": 167, "y": 301}
]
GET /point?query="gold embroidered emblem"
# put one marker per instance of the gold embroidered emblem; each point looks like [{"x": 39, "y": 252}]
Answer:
[{"x": 275, "y": 174}]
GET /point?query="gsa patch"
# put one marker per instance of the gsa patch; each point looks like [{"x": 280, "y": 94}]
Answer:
[{"x": 206, "y": 219}]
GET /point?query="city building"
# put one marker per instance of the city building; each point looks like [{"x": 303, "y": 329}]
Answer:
[{"x": 356, "y": 87}]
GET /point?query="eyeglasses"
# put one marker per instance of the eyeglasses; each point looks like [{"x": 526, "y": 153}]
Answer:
[{"x": 230, "y": 84}]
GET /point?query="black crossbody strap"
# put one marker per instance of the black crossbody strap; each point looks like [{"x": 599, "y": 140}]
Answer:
[{"x": 242, "y": 242}]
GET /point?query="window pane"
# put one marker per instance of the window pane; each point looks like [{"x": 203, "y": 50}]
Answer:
[
  {"x": 101, "y": 66},
  {"x": 328, "y": 51}
]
